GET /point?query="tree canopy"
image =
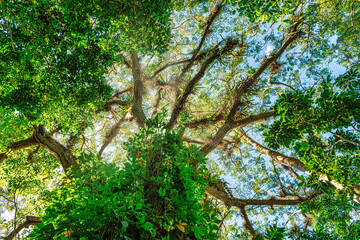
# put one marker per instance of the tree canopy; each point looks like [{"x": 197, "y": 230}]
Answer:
[{"x": 194, "y": 119}]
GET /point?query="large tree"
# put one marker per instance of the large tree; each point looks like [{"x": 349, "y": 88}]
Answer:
[{"x": 165, "y": 119}]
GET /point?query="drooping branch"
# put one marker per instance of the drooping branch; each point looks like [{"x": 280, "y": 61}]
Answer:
[
  {"x": 17, "y": 146},
  {"x": 137, "y": 110},
  {"x": 30, "y": 220},
  {"x": 181, "y": 100}
]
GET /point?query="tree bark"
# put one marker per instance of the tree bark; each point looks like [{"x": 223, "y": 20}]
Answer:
[
  {"x": 137, "y": 110},
  {"x": 54, "y": 147},
  {"x": 30, "y": 220}
]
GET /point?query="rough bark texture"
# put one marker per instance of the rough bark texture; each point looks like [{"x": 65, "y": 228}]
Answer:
[
  {"x": 137, "y": 110},
  {"x": 17, "y": 146},
  {"x": 213, "y": 55},
  {"x": 230, "y": 124},
  {"x": 296, "y": 163},
  {"x": 54, "y": 147},
  {"x": 30, "y": 220}
]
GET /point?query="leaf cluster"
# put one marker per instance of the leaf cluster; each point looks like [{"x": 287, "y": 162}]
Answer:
[{"x": 156, "y": 195}]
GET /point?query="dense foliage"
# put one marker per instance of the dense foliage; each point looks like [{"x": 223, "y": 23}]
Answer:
[
  {"x": 156, "y": 195},
  {"x": 196, "y": 119}
]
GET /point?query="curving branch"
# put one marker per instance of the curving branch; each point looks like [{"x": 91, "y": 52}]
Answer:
[
  {"x": 62, "y": 153},
  {"x": 136, "y": 109},
  {"x": 30, "y": 220},
  {"x": 17, "y": 146},
  {"x": 114, "y": 130},
  {"x": 229, "y": 125}
]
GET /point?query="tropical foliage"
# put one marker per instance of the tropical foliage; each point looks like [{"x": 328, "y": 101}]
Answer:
[{"x": 194, "y": 119}]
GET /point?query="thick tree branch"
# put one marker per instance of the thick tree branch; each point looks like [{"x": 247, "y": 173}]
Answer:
[
  {"x": 157, "y": 102},
  {"x": 54, "y": 147},
  {"x": 220, "y": 193},
  {"x": 228, "y": 125},
  {"x": 205, "y": 121},
  {"x": 265, "y": 64},
  {"x": 114, "y": 130},
  {"x": 17, "y": 146},
  {"x": 296, "y": 163},
  {"x": 30, "y": 220},
  {"x": 137, "y": 110},
  {"x": 181, "y": 100},
  {"x": 278, "y": 157},
  {"x": 247, "y": 224}
]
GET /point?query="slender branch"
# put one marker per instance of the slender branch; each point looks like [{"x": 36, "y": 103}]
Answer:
[
  {"x": 137, "y": 110},
  {"x": 181, "y": 100},
  {"x": 265, "y": 64},
  {"x": 289, "y": 170},
  {"x": 169, "y": 65},
  {"x": 117, "y": 94},
  {"x": 297, "y": 164},
  {"x": 109, "y": 104},
  {"x": 30, "y": 220},
  {"x": 280, "y": 83},
  {"x": 229, "y": 124},
  {"x": 215, "y": 12},
  {"x": 337, "y": 135}
]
